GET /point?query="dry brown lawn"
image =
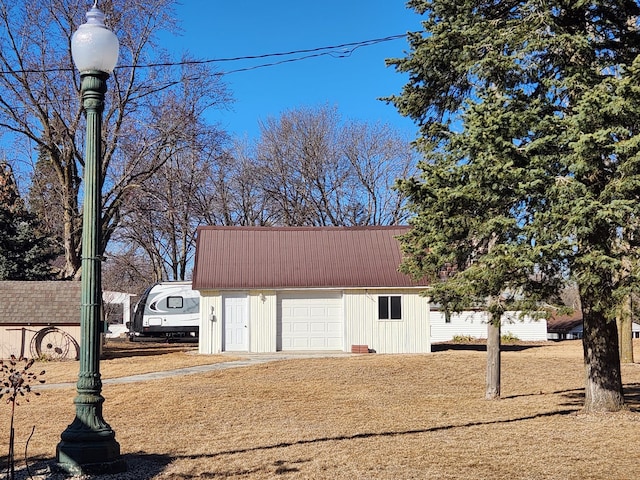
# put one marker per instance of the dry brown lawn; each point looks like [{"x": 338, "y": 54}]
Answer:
[
  {"x": 357, "y": 417},
  {"x": 123, "y": 358}
]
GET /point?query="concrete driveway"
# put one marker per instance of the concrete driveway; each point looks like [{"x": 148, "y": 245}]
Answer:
[{"x": 247, "y": 360}]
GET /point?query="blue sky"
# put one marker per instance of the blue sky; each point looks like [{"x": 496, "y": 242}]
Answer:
[{"x": 224, "y": 29}]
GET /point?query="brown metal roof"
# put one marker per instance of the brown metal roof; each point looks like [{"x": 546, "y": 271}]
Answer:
[
  {"x": 298, "y": 257},
  {"x": 564, "y": 323},
  {"x": 39, "y": 303}
]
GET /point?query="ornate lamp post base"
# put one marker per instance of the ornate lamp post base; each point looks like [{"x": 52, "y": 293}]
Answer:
[
  {"x": 90, "y": 458},
  {"x": 88, "y": 445}
]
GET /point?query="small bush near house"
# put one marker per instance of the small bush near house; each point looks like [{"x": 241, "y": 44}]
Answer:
[
  {"x": 509, "y": 338},
  {"x": 464, "y": 339}
]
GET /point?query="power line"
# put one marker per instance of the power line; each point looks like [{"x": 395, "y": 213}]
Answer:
[
  {"x": 317, "y": 52},
  {"x": 342, "y": 50},
  {"x": 327, "y": 51}
]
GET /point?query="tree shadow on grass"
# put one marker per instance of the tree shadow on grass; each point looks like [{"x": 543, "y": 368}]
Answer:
[
  {"x": 140, "y": 466},
  {"x": 566, "y": 392},
  {"x": 481, "y": 346},
  {"x": 632, "y": 396},
  {"x": 272, "y": 469},
  {"x": 144, "y": 466},
  {"x": 117, "y": 350},
  {"x": 366, "y": 435},
  {"x": 575, "y": 397}
]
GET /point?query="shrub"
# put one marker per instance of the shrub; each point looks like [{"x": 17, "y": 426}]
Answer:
[
  {"x": 463, "y": 339},
  {"x": 509, "y": 338}
]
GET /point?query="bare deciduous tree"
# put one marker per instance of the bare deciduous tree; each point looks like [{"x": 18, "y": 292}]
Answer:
[
  {"x": 145, "y": 108},
  {"x": 127, "y": 271},
  {"x": 308, "y": 168},
  {"x": 318, "y": 170},
  {"x": 237, "y": 196},
  {"x": 163, "y": 213}
]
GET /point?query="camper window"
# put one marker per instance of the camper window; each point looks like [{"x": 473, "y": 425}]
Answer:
[{"x": 174, "y": 302}]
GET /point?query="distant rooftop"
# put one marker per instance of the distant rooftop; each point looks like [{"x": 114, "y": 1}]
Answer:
[{"x": 564, "y": 323}]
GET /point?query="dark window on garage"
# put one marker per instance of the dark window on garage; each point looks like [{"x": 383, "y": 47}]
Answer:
[{"x": 389, "y": 307}]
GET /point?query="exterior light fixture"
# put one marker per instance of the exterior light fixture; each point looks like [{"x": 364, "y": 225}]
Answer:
[{"x": 88, "y": 445}]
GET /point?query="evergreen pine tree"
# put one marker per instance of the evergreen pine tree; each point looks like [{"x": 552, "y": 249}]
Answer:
[
  {"x": 528, "y": 114},
  {"x": 24, "y": 252}
]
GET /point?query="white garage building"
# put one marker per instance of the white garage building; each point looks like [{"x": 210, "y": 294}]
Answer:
[{"x": 269, "y": 289}]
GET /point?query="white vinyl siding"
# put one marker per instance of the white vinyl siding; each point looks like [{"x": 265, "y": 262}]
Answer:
[
  {"x": 263, "y": 321},
  {"x": 210, "y": 331},
  {"x": 474, "y": 324},
  {"x": 326, "y": 320},
  {"x": 407, "y": 335}
]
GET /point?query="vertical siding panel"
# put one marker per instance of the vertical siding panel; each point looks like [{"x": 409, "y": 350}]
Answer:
[
  {"x": 263, "y": 321},
  {"x": 204, "y": 327},
  {"x": 409, "y": 335},
  {"x": 202, "y": 324},
  {"x": 418, "y": 333},
  {"x": 254, "y": 313},
  {"x": 360, "y": 319},
  {"x": 351, "y": 328},
  {"x": 361, "y": 324},
  {"x": 210, "y": 337}
]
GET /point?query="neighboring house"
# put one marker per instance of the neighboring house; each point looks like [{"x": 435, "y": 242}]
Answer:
[
  {"x": 40, "y": 319},
  {"x": 569, "y": 327},
  {"x": 268, "y": 289},
  {"x": 445, "y": 327},
  {"x": 117, "y": 312},
  {"x": 565, "y": 327}
]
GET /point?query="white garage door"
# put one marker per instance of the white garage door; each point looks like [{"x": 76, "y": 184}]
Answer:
[{"x": 310, "y": 321}]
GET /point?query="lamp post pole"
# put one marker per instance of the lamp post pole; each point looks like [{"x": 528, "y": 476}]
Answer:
[{"x": 88, "y": 445}]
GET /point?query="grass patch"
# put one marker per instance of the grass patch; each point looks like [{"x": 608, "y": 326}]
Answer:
[{"x": 359, "y": 417}]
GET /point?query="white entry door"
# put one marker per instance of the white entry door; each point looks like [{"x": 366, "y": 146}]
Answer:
[{"x": 236, "y": 324}]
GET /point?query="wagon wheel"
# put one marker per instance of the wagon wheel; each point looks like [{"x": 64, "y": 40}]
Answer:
[{"x": 54, "y": 344}]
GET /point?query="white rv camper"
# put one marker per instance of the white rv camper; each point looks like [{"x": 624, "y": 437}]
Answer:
[{"x": 166, "y": 309}]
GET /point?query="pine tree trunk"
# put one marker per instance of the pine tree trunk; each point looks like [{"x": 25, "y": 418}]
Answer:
[
  {"x": 603, "y": 381},
  {"x": 493, "y": 360},
  {"x": 625, "y": 332}
]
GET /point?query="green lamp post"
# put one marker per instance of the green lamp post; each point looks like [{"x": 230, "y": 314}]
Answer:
[{"x": 88, "y": 445}]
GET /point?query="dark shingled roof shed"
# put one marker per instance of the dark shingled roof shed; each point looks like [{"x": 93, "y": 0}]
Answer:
[
  {"x": 39, "y": 303},
  {"x": 230, "y": 258}
]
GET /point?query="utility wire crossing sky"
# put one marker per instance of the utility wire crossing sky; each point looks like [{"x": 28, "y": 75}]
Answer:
[{"x": 349, "y": 73}]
